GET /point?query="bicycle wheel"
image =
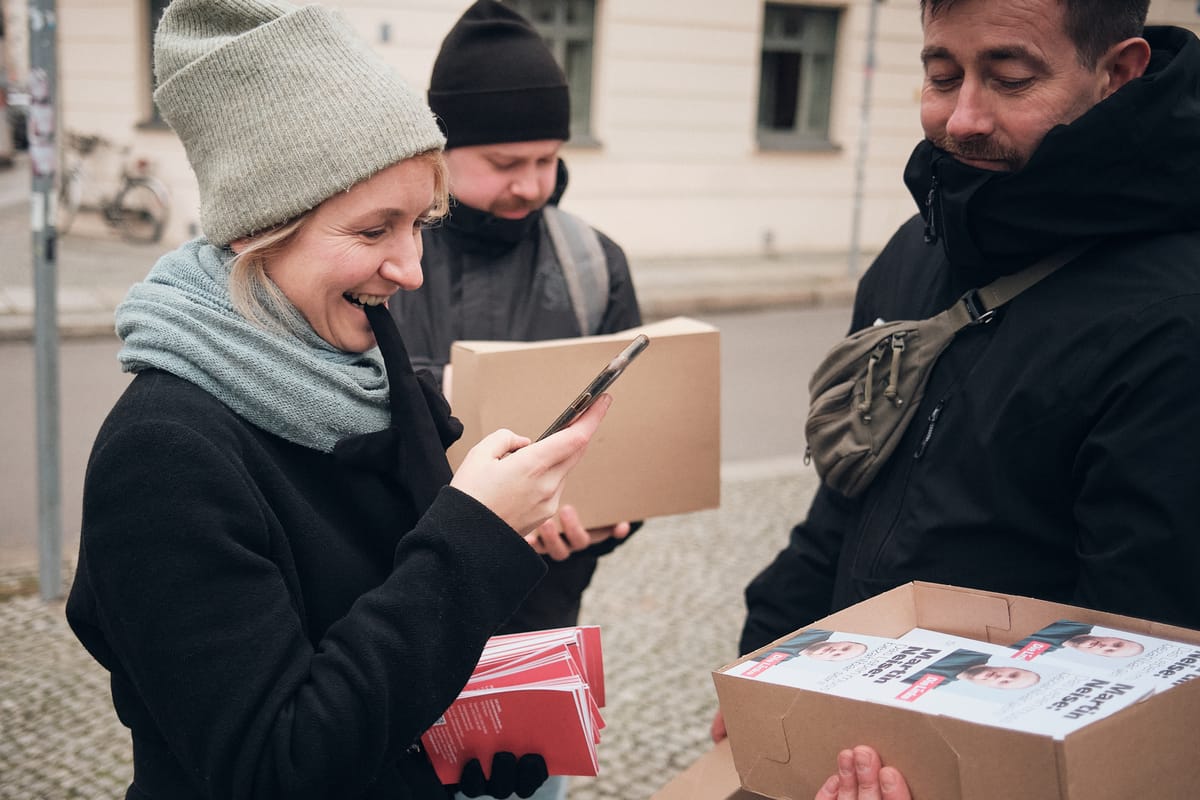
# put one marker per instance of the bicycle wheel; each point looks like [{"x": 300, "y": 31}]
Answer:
[
  {"x": 139, "y": 212},
  {"x": 70, "y": 194}
]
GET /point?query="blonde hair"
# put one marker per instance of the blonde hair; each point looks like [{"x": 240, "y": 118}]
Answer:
[{"x": 256, "y": 297}]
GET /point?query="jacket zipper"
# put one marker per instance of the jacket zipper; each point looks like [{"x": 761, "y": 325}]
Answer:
[
  {"x": 933, "y": 419},
  {"x": 931, "y": 231}
]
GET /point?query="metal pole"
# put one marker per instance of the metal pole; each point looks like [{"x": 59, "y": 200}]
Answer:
[
  {"x": 43, "y": 157},
  {"x": 864, "y": 132}
]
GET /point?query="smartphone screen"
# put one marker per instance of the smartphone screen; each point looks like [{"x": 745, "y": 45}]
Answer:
[{"x": 596, "y": 388}]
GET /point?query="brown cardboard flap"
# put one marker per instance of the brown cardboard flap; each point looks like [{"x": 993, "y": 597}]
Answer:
[
  {"x": 1113, "y": 757},
  {"x": 894, "y": 614},
  {"x": 963, "y": 612},
  {"x": 817, "y": 727}
]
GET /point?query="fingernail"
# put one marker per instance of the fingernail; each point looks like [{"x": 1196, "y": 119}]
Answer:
[{"x": 861, "y": 761}]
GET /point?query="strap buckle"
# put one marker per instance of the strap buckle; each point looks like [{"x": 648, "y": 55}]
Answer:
[{"x": 975, "y": 309}]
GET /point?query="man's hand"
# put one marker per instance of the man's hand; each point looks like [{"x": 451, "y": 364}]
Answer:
[
  {"x": 862, "y": 776},
  {"x": 559, "y": 537}
]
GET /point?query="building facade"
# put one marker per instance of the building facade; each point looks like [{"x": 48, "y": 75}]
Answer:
[{"x": 699, "y": 127}]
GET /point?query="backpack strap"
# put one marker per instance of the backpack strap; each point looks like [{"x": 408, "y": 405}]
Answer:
[
  {"x": 981, "y": 304},
  {"x": 577, "y": 247}
]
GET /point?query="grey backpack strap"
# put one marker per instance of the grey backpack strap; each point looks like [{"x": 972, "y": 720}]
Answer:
[{"x": 582, "y": 258}]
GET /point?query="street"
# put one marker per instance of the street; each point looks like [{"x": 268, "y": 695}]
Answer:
[{"x": 766, "y": 358}]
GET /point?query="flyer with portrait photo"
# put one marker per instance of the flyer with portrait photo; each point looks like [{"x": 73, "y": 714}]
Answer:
[
  {"x": 982, "y": 682},
  {"x": 1112, "y": 653},
  {"x": 815, "y": 659}
]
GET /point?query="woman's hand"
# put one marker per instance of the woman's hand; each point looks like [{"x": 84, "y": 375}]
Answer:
[
  {"x": 521, "y": 482},
  {"x": 862, "y": 776},
  {"x": 563, "y": 534}
]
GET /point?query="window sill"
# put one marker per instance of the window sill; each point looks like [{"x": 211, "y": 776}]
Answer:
[
  {"x": 583, "y": 141},
  {"x": 797, "y": 145}
]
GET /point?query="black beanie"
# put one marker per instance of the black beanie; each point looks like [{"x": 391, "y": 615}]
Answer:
[{"x": 495, "y": 81}]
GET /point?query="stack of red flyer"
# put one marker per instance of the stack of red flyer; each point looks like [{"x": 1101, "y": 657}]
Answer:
[{"x": 537, "y": 692}]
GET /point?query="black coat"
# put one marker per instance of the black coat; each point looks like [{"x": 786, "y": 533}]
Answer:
[
  {"x": 497, "y": 279},
  {"x": 278, "y": 621},
  {"x": 1063, "y": 463}
]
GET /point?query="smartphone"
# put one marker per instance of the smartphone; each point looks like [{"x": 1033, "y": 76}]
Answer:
[{"x": 599, "y": 383}]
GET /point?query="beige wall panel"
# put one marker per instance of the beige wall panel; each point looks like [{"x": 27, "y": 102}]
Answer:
[
  {"x": 670, "y": 43},
  {"x": 722, "y": 14},
  {"x": 686, "y": 115},
  {"x": 648, "y": 144},
  {"x": 92, "y": 59},
  {"x": 656, "y": 78},
  {"x": 414, "y": 34},
  {"x": 95, "y": 20},
  {"x": 1174, "y": 12}
]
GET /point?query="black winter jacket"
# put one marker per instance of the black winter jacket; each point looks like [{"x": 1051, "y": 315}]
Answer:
[
  {"x": 490, "y": 278},
  {"x": 1056, "y": 453},
  {"x": 279, "y": 622}
]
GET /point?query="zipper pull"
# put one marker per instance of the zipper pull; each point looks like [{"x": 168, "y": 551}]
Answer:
[
  {"x": 931, "y": 234},
  {"x": 933, "y": 418},
  {"x": 893, "y": 388}
]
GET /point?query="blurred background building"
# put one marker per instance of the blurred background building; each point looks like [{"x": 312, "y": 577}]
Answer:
[{"x": 700, "y": 127}]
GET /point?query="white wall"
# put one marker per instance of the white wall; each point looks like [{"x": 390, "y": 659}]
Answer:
[{"x": 677, "y": 171}]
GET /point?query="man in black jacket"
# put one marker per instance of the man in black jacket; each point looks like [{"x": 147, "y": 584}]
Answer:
[
  {"x": 507, "y": 263},
  {"x": 1054, "y": 452}
]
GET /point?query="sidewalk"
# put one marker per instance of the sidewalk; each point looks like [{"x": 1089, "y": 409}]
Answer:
[{"x": 95, "y": 268}]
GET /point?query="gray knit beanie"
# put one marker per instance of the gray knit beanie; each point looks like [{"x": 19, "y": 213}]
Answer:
[{"x": 279, "y": 107}]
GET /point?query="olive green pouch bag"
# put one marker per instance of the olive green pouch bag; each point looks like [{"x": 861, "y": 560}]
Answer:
[{"x": 866, "y": 391}]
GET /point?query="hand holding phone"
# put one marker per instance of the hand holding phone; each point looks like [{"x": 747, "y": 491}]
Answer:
[{"x": 601, "y": 382}]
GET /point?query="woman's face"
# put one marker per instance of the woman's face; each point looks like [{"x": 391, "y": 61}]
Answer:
[{"x": 358, "y": 248}]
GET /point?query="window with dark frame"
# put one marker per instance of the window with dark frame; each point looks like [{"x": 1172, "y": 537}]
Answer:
[
  {"x": 568, "y": 26},
  {"x": 796, "y": 82},
  {"x": 154, "y": 15}
]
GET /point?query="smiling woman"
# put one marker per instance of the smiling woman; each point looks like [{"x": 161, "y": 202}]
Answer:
[
  {"x": 276, "y": 564},
  {"x": 370, "y": 235}
]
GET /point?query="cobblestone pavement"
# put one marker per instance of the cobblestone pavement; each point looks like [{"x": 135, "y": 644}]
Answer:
[{"x": 669, "y": 604}]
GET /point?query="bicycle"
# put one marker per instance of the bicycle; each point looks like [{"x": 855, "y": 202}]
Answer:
[{"x": 138, "y": 208}]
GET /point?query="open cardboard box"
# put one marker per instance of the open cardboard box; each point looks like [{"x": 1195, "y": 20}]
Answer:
[
  {"x": 658, "y": 450},
  {"x": 785, "y": 740}
]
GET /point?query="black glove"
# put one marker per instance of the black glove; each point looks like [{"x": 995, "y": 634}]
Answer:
[{"x": 509, "y": 776}]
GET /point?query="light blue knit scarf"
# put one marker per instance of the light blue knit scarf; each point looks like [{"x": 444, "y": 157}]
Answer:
[{"x": 180, "y": 319}]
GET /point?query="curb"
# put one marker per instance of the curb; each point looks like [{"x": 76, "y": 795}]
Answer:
[{"x": 96, "y": 323}]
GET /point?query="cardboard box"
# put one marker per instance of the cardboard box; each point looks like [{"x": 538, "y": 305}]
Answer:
[
  {"x": 710, "y": 777},
  {"x": 785, "y": 740},
  {"x": 657, "y": 452}
]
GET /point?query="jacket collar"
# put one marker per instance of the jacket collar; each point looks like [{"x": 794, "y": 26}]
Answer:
[{"x": 1129, "y": 166}]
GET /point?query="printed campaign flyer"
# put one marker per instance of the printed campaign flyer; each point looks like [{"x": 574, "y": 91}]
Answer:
[
  {"x": 537, "y": 692},
  {"x": 815, "y": 659},
  {"x": 983, "y": 683},
  {"x": 1116, "y": 654}
]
